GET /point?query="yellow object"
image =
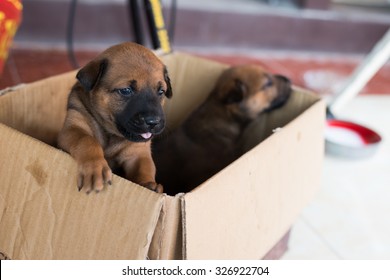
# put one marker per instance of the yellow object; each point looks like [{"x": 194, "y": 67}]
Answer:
[{"x": 10, "y": 18}]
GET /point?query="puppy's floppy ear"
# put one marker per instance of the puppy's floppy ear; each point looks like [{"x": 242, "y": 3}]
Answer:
[
  {"x": 283, "y": 86},
  {"x": 168, "y": 92},
  {"x": 90, "y": 75},
  {"x": 235, "y": 94}
]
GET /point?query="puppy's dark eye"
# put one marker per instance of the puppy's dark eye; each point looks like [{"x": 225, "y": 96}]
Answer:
[
  {"x": 233, "y": 96},
  {"x": 125, "y": 91},
  {"x": 161, "y": 92},
  {"x": 268, "y": 83}
]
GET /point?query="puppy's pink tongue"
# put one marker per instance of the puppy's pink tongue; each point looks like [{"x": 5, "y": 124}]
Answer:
[{"x": 146, "y": 135}]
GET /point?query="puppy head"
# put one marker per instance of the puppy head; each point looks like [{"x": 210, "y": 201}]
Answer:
[
  {"x": 126, "y": 86},
  {"x": 248, "y": 90}
]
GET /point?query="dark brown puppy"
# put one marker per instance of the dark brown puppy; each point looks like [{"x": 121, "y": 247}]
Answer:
[
  {"x": 113, "y": 111},
  {"x": 208, "y": 140}
]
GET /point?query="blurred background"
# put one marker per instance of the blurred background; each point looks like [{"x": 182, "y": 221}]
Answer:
[
  {"x": 345, "y": 29},
  {"x": 317, "y": 43}
]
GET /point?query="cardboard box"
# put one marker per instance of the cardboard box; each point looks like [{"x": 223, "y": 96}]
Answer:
[{"x": 239, "y": 213}]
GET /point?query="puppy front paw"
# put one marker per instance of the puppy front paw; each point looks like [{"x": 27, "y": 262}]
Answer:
[
  {"x": 153, "y": 186},
  {"x": 93, "y": 175}
]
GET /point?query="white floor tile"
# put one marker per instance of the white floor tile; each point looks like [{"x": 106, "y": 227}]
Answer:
[
  {"x": 304, "y": 242},
  {"x": 351, "y": 213}
]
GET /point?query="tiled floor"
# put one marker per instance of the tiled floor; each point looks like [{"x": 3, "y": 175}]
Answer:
[
  {"x": 24, "y": 66},
  {"x": 319, "y": 72},
  {"x": 349, "y": 218}
]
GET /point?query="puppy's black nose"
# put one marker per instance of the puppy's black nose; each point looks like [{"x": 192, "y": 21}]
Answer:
[{"x": 152, "y": 121}]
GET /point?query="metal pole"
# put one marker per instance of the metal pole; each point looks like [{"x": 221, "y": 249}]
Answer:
[
  {"x": 363, "y": 73},
  {"x": 134, "y": 12}
]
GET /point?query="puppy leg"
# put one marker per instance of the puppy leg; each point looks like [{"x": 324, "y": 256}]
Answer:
[
  {"x": 141, "y": 170},
  {"x": 93, "y": 170}
]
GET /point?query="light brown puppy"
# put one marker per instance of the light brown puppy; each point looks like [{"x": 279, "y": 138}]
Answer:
[
  {"x": 208, "y": 140},
  {"x": 114, "y": 110}
]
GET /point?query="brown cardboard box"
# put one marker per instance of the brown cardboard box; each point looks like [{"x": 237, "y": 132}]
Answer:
[{"x": 239, "y": 213}]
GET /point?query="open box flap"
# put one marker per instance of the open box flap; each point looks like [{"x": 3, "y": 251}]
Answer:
[
  {"x": 242, "y": 211},
  {"x": 43, "y": 216},
  {"x": 38, "y": 109},
  {"x": 192, "y": 79}
]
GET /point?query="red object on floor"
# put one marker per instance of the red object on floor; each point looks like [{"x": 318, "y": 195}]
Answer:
[
  {"x": 366, "y": 135},
  {"x": 10, "y": 18}
]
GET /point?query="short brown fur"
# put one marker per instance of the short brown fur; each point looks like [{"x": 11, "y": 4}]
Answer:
[
  {"x": 113, "y": 111},
  {"x": 207, "y": 141}
]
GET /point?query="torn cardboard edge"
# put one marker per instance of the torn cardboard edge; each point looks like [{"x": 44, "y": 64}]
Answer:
[
  {"x": 183, "y": 215},
  {"x": 10, "y": 89},
  {"x": 168, "y": 235},
  {"x": 3, "y": 256},
  {"x": 154, "y": 226}
]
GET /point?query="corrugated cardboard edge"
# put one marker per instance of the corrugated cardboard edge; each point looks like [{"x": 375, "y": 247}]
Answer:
[
  {"x": 11, "y": 89},
  {"x": 184, "y": 228},
  {"x": 202, "y": 242},
  {"x": 3, "y": 256},
  {"x": 167, "y": 239}
]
